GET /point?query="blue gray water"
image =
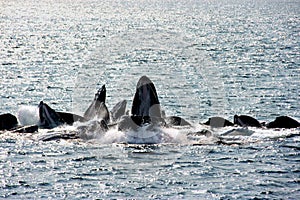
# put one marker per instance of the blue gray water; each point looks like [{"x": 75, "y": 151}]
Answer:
[{"x": 206, "y": 58}]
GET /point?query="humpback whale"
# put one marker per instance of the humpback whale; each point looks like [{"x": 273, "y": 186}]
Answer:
[
  {"x": 98, "y": 108},
  {"x": 218, "y": 122},
  {"x": 118, "y": 111},
  {"x": 244, "y": 120},
  {"x": 176, "y": 121},
  {"x": 145, "y": 106},
  {"x": 283, "y": 122},
  {"x": 145, "y": 101},
  {"x": 96, "y": 116},
  {"x": 49, "y": 118},
  {"x": 146, "y": 109},
  {"x": 8, "y": 121}
]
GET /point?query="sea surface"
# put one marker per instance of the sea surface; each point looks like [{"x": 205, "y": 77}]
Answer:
[{"x": 206, "y": 58}]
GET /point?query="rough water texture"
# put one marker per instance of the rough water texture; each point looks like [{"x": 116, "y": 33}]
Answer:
[{"x": 206, "y": 58}]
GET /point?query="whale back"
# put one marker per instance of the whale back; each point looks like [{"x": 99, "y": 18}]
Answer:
[
  {"x": 217, "y": 122},
  {"x": 244, "y": 120},
  {"x": 283, "y": 122},
  {"x": 145, "y": 102},
  {"x": 8, "y": 121}
]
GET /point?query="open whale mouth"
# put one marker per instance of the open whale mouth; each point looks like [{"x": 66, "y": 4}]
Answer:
[
  {"x": 48, "y": 117},
  {"x": 98, "y": 108},
  {"x": 145, "y": 102},
  {"x": 101, "y": 94}
]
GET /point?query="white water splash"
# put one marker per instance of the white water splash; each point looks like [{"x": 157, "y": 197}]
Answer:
[
  {"x": 28, "y": 115},
  {"x": 91, "y": 131},
  {"x": 143, "y": 135}
]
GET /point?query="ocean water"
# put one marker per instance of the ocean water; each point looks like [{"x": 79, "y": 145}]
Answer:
[{"x": 205, "y": 57}]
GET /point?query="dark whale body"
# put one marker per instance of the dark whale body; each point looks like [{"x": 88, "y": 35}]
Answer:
[
  {"x": 145, "y": 101},
  {"x": 176, "y": 121},
  {"x": 244, "y": 120},
  {"x": 8, "y": 121},
  {"x": 146, "y": 109},
  {"x": 283, "y": 122},
  {"x": 49, "y": 118},
  {"x": 98, "y": 108},
  {"x": 218, "y": 122},
  {"x": 145, "y": 106}
]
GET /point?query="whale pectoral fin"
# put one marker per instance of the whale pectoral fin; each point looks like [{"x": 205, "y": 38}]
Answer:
[{"x": 48, "y": 117}]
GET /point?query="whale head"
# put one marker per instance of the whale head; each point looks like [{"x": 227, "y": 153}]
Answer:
[
  {"x": 98, "y": 108},
  {"x": 145, "y": 102},
  {"x": 101, "y": 94},
  {"x": 48, "y": 117}
]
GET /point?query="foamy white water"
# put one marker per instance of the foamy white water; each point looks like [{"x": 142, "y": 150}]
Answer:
[{"x": 28, "y": 115}]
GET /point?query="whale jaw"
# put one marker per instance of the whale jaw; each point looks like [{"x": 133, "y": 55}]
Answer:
[
  {"x": 48, "y": 117},
  {"x": 98, "y": 108},
  {"x": 145, "y": 101}
]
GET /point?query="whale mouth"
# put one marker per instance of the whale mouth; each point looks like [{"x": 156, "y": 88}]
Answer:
[
  {"x": 98, "y": 108},
  {"x": 101, "y": 94},
  {"x": 145, "y": 102},
  {"x": 48, "y": 117}
]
